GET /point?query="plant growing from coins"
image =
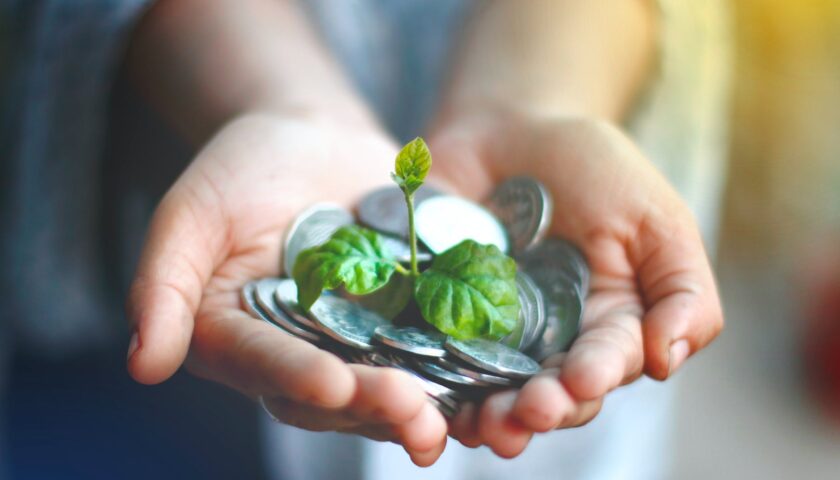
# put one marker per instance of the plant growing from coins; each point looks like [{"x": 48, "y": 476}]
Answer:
[{"x": 468, "y": 291}]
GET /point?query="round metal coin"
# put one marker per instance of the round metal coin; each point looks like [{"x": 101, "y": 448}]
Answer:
[
  {"x": 385, "y": 210},
  {"x": 402, "y": 251},
  {"x": 531, "y": 322},
  {"x": 437, "y": 373},
  {"x": 311, "y": 228},
  {"x": 249, "y": 303},
  {"x": 264, "y": 295},
  {"x": 411, "y": 340},
  {"x": 493, "y": 357},
  {"x": 345, "y": 321},
  {"x": 286, "y": 296},
  {"x": 485, "y": 378},
  {"x": 524, "y": 207},
  {"x": 561, "y": 257},
  {"x": 445, "y": 221},
  {"x": 564, "y": 310}
]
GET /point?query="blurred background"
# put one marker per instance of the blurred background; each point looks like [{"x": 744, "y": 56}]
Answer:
[{"x": 762, "y": 402}]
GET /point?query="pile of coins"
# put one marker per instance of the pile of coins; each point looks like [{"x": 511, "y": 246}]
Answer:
[{"x": 552, "y": 280}]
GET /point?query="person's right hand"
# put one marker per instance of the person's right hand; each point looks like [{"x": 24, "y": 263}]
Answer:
[{"x": 221, "y": 225}]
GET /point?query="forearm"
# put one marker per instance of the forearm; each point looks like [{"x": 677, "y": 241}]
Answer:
[
  {"x": 202, "y": 62},
  {"x": 553, "y": 57}
]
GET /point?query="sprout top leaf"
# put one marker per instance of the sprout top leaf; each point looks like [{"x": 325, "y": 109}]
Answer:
[{"x": 412, "y": 165}]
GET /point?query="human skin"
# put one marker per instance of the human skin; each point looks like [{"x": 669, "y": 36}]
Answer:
[
  {"x": 540, "y": 88},
  {"x": 281, "y": 129}
]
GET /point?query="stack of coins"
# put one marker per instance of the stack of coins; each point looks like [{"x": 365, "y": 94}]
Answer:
[{"x": 552, "y": 280}]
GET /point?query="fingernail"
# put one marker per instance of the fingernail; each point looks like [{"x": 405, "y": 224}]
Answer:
[
  {"x": 133, "y": 344},
  {"x": 678, "y": 353}
]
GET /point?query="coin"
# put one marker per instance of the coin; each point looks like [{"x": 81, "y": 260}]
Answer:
[
  {"x": 445, "y": 221},
  {"x": 264, "y": 295},
  {"x": 385, "y": 209},
  {"x": 493, "y": 357},
  {"x": 311, "y": 228},
  {"x": 246, "y": 296},
  {"x": 411, "y": 340},
  {"x": 402, "y": 251},
  {"x": 286, "y": 296},
  {"x": 345, "y": 321},
  {"x": 438, "y": 373},
  {"x": 564, "y": 309},
  {"x": 485, "y": 378},
  {"x": 560, "y": 272},
  {"x": 566, "y": 262},
  {"x": 524, "y": 207},
  {"x": 531, "y": 324}
]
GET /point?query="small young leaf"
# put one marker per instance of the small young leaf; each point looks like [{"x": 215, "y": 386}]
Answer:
[
  {"x": 412, "y": 165},
  {"x": 353, "y": 257},
  {"x": 470, "y": 291}
]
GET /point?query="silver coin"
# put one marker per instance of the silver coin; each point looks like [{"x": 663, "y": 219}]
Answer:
[
  {"x": 437, "y": 373},
  {"x": 560, "y": 272},
  {"x": 402, "y": 251},
  {"x": 249, "y": 303},
  {"x": 345, "y": 321},
  {"x": 445, "y": 399},
  {"x": 443, "y": 407},
  {"x": 524, "y": 207},
  {"x": 485, "y": 378},
  {"x": 311, "y": 228},
  {"x": 445, "y": 221},
  {"x": 493, "y": 357},
  {"x": 385, "y": 209},
  {"x": 564, "y": 309},
  {"x": 411, "y": 340},
  {"x": 264, "y": 295},
  {"x": 531, "y": 321},
  {"x": 286, "y": 296},
  {"x": 566, "y": 261}
]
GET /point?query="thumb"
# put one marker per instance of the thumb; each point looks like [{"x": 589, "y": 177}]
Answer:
[
  {"x": 176, "y": 263},
  {"x": 684, "y": 313}
]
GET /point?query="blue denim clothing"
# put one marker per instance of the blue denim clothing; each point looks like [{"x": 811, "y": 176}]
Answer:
[{"x": 63, "y": 58}]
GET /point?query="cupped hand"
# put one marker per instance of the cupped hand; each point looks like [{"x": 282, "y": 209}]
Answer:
[
  {"x": 221, "y": 225},
  {"x": 653, "y": 300}
]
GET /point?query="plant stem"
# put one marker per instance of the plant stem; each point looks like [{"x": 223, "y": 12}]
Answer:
[
  {"x": 412, "y": 234},
  {"x": 401, "y": 270}
]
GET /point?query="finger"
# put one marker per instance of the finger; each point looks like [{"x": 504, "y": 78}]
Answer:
[
  {"x": 498, "y": 430},
  {"x": 608, "y": 352},
  {"x": 583, "y": 413},
  {"x": 258, "y": 359},
  {"x": 464, "y": 427},
  {"x": 543, "y": 402},
  {"x": 308, "y": 417},
  {"x": 429, "y": 457},
  {"x": 378, "y": 433},
  {"x": 424, "y": 432},
  {"x": 176, "y": 262},
  {"x": 684, "y": 312},
  {"x": 386, "y": 395}
]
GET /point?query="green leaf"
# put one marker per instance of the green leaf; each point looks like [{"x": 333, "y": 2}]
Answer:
[
  {"x": 470, "y": 291},
  {"x": 353, "y": 257},
  {"x": 390, "y": 300},
  {"x": 412, "y": 165}
]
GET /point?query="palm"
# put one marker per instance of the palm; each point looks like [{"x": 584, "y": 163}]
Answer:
[
  {"x": 651, "y": 284},
  {"x": 220, "y": 226}
]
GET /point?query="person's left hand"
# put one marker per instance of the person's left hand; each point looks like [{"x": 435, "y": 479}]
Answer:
[{"x": 652, "y": 300}]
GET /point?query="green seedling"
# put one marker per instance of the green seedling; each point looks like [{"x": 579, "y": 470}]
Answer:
[{"x": 468, "y": 291}]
